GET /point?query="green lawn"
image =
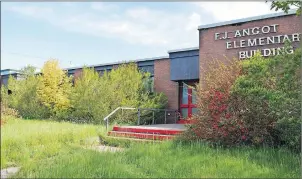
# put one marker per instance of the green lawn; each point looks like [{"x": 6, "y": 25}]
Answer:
[{"x": 52, "y": 150}]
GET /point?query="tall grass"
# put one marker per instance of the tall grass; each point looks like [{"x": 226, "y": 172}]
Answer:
[
  {"x": 23, "y": 141},
  {"x": 168, "y": 160},
  {"x": 42, "y": 149}
]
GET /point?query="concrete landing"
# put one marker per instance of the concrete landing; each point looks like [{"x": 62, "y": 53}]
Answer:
[{"x": 160, "y": 126}]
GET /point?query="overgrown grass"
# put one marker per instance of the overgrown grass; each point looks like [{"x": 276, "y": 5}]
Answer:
[
  {"x": 167, "y": 160},
  {"x": 23, "y": 141},
  {"x": 164, "y": 160}
]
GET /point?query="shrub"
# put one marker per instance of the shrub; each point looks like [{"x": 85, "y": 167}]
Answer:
[
  {"x": 24, "y": 97},
  {"x": 267, "y": 98},
  {"x": 214, "y": 120},
  {"x": 6, "y": 111},
  {"x": 133, "y": 88},
  {"x": 94, "y": 97},
  {"x": 89, "y": 99}
]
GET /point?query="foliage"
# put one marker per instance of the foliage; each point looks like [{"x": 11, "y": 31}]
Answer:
[
  {"x": 126, "y": 83},
  {"x": 121, "y": 142},
  {"x": 59, "y": 150},
  {"x": 131, "y": 88},
  {"x": 24, "y": 95},
  {"x": 189, "y": 161},
  {"x": 90, "y": 98},
  {"x": 51, "y": 94},
  {"x": 214, "y": 120},
  {"x": 25, "y": 142},
  {"x": 4, "y": 95},
  {"x": 54, "y": 88},
  {"x": 285, "y": 6},
  {"x": 255, "y": 101},
  {"x": 94, "y": 97},
  {"x": 267, "y": 98},
  {"x": 28, "y": 71},
  {"x": 6, "y": 112}
]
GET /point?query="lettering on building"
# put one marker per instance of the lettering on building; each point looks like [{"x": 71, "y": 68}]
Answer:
[{"x": 268, "y": 37}]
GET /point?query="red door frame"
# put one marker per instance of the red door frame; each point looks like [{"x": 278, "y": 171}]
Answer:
[{"x": 189, "y": 106}]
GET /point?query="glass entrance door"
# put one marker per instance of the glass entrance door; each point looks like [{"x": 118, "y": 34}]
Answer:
[{"x": 187, "y": 101}]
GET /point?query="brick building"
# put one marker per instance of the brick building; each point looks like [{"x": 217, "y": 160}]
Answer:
[
  {"x": 8, "y": 72},
  {"x": 173, "y": 74}
]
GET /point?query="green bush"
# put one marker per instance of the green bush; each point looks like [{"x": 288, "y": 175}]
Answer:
[
  {"x": 94, "y": 97},
  {"x": 89, "y": 99},
  {"x": 267, "y": 98},
  {"x": 24, "y": 95},
  {"x": 8, "y": 112}
]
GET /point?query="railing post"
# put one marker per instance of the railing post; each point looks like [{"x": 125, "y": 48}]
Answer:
[
  {"x": 138, "y": 116},
  {"x": 122, "y": 114},
  {"x": 165, "y": 117},
  {"x": 153, "y": 117},
  {"x": 175, "y": 113},
  {"x": 107, "y": 124}
]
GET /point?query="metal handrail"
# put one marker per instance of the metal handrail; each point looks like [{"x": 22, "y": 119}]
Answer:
[
  {"x": 155, "y": 109},
  {"x": 139, "y": 114},
  {"x": 107, "y": 117}
]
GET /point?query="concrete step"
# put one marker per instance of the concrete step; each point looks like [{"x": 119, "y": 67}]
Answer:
[
  {"x": 133, "y": 139},
  {"x": 147, "y": 130},
  {"x": 140, "y": 135}
]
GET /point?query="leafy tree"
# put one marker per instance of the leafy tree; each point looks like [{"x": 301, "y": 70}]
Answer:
[
  {"x": 95, "y": 97},
  {"x": 90, "y": 98},
  {"x": 28, "y": 71},
  {"x": 285, "y": 6},
  {"x": 24, "y": 95},
  {"x": 131, "y": 87},
  {"x": 54, "y": 87}
]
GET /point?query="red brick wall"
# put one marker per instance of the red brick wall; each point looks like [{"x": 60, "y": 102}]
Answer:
[
  {"x": 162, "y": 82},
  {"x": 210, "y": 48}
]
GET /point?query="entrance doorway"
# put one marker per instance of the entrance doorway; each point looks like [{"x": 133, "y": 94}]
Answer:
[{"x": 187, "y": 100}]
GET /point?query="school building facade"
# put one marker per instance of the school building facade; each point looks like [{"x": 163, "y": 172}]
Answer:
[{"x": 239, "y": 39}]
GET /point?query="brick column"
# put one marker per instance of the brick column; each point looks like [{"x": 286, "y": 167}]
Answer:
[{"x": 162, "y": 82}]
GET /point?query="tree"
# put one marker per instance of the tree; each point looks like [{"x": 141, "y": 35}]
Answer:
[
  {"x": 95, "y": 97},
  {"x": 90, "y": 97},
  {"x": 54, "y": 87},
  {"x": 24, "y": 95},
  {"x": 28, "y": 71},
  {"x": 286, "y": 6}
]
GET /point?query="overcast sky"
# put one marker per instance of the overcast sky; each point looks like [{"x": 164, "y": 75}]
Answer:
[{"x": 99, "y": 32}]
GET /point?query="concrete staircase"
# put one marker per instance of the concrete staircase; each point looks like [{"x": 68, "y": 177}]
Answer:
[{"x": 148, "y": 132}]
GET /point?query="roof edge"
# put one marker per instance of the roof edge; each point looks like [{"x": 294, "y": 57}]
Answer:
[
  {"x": 248, "y": 19},
  {"x": 9, "y": 69},
  {"x": 183, "y": 49},
  {"x": 119, "y": 62}
]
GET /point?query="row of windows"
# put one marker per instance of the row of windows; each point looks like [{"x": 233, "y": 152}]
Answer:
[{"x": 149, "y": 69}]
